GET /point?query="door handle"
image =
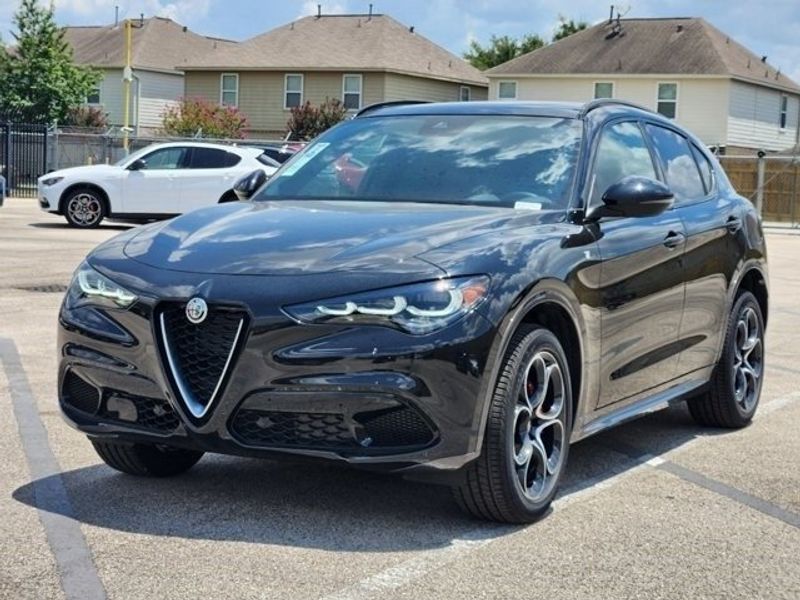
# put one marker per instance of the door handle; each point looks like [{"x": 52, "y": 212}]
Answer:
[
  {"x": 733, "y": 224},
  {"x": 674, "y": 239}
]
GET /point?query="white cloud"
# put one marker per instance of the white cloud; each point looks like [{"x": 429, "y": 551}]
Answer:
[
  {"x": 328, "y": 8},
  {"x": 102, "y": 11}
]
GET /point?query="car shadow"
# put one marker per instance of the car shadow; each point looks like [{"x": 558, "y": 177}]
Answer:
[
  {"x": 322, "y": 506},
  {"x": 117, "y": 226}
]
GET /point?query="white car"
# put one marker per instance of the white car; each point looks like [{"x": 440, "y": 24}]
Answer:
[{"x": 158, "y": 181}]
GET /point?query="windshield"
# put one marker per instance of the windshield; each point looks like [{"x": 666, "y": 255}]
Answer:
[{"x": 497, "y": 160}]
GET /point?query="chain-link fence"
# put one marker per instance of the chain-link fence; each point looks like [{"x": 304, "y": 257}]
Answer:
[
  {"x": 76, "y": 147},
  {"x": 771, "y": 182}
]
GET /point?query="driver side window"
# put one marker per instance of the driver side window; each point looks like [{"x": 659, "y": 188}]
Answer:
[
  {"x": 621, "y": 152},
  {"x": 165, "y": 158}
]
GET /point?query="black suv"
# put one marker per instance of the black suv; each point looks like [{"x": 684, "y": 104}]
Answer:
[{"x": 446, "y": 291}]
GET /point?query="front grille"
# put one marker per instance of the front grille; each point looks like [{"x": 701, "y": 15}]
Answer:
[
  {"x": 198, "y": 354},
  {"x": 397, "y": 428},
  {"x": 148, "y": 413},
  {"x": 80, "y": 394}
]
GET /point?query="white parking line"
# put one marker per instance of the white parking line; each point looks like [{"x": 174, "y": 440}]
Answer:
[
  {"x": 428, "y": 561},
  {"x": 79, "y": 579}
]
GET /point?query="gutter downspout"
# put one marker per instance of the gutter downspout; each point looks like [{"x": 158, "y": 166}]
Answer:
[
  {"x": 797, "y": 128},
  {"x": 136, "y": 103}
]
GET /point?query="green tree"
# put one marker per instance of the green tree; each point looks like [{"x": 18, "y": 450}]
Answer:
[
  {"x": 38, "y": 78},
  {"x": 568, "y": 27},
  {"x": 501, "y": 49}
]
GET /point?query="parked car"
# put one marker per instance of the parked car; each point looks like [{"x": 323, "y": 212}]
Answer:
[
  {"x": 280, "y": 154},
  {"x": 158, "y": 181},
  {"x": 503, "y": 280}
]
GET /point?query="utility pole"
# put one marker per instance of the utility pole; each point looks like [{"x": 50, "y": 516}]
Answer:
[{"x": 127, "y": 78}]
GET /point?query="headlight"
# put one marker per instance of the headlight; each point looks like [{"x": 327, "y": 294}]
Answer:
[
  {"x": 418, "y": 308},
  {"x": 51, "y": 181},
  {"x": 90, "y": 287}
]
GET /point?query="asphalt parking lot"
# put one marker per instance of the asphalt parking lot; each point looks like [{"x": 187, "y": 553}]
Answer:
[{"x": 658, "y": 508}]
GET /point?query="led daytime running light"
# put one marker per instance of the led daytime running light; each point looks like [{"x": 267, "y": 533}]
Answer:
[{"x": 99, "y": 289}]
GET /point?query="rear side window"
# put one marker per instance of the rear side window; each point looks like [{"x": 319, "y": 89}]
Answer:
[
  {"x": 706, "y": 170},
  {"x": 622, "y": 152},
  {"x": 683, "y": 176},
  {"x": 213, "y": 158}
]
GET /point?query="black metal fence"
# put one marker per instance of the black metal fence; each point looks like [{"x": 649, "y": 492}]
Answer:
[{"x": 23, "y": 157}]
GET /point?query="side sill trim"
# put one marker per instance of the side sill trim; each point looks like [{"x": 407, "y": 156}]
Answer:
[{"x": 654, "y": 403}]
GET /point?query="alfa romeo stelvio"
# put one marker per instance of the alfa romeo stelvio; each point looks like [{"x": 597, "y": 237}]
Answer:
[{"x": 451, "y": 292}]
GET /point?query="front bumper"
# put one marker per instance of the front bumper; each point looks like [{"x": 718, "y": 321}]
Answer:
[
  {"x": 369, "y": 396},
  {"x": 46, "y": 198}
]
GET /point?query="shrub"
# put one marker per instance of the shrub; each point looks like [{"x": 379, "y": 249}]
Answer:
[
  {"x": 86, "y": 116},
  {"x": 308, "y": 121},
  {"x": 195, "y": 117}
]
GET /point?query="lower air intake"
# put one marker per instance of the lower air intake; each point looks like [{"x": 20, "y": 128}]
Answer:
[
  {"x": 399, "y": 428},
  {"x": 80, "y": 394}
]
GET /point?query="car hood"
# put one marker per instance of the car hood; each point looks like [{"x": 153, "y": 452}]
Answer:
[
  {"x": 87, "y": 170},
  {"x": 293, "y": 237}
]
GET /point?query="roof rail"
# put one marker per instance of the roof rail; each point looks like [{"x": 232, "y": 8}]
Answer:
[
  {"x": 374, "y": 107},
  {"x": 600, "y": 102}
]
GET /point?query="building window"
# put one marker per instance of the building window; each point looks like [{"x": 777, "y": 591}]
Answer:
[
  {"x": 603, "y": 89},
  {"x": 784, "y": 110},
  {"x": 465, "y": 93},
  {"x": 667, "y": 103},
  {"x": 93, "y": 97},
  {"x": 293, "y": 86},
  {"x": 351, "y": 91},
  {"x": 229, "y": 89},
  {"x": 507, "y": 90}
]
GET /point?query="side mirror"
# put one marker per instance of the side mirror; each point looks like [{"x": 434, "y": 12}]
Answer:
[
  {"x": 634, "y": 196},
  {"x": 249, "y": 184},
  {"x": 137, "y": 165}
]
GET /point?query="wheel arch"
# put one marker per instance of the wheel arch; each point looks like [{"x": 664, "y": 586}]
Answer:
[
  {"x": 754, "y": 280},
  {"x": 551, "y": 304},
  {"x": 84, "y": 185}
]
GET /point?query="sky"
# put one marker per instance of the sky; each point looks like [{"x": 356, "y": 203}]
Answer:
[{"x": 767, "y": 27}]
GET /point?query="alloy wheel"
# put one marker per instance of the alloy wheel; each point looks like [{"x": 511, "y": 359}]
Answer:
[
  {"x": 539, "y": 428},
  {"x": 748, "y": 361},
  {"x": 84, "y": 209}
]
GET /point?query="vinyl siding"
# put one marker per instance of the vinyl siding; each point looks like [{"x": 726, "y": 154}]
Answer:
[
  {"x": 702, "y": 103},
  {"x": 754, "y": 118},
  {"x": 261, "y": 93},
  {"x": 406, "y": 87},
  {"x": 158, "y": 91},
  {"x": 111, "y": 95}
]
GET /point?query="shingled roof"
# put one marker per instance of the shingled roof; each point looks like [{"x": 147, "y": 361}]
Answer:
[
  {"x": 342, "y": 43},
  {"x": 684, "y": 46},
  {"x": 160, "y": 44}
]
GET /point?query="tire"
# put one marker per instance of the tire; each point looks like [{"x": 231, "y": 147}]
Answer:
[
  {"x": 524, "y": 401},
  {"x": 146, "y": 460},
  {"x": 84, "y": 208},
  {"x": 735, "y": 387}
]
